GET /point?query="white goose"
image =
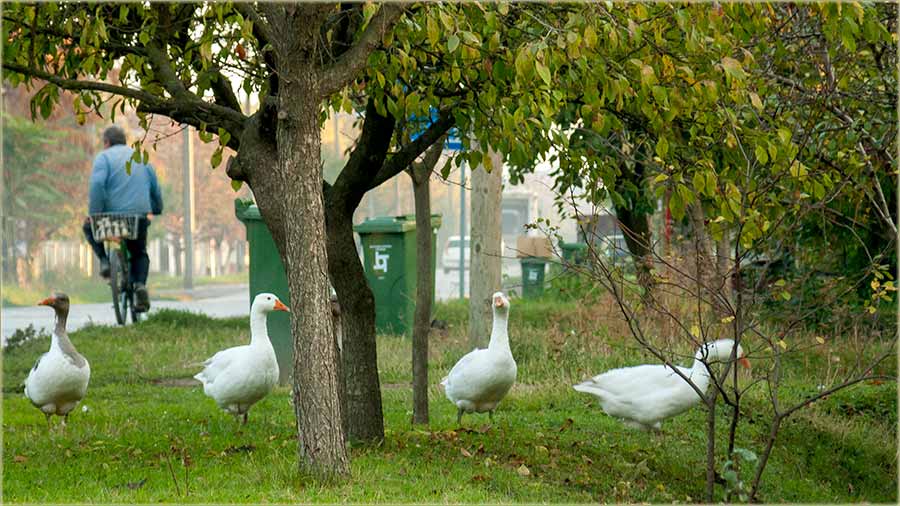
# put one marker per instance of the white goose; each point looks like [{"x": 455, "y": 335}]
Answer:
[
  {"x": 645, "y": 395},
  {"x": 480, "y": 380},
  {"x": 59, "y": 379},
  {"x": 236, "y": 378}
]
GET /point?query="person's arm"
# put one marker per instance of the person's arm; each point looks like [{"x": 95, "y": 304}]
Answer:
[
  {"x": 97, "y": 191},
  {"x": 156, "y": 202}
]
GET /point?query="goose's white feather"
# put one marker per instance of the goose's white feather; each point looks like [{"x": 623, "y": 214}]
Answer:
[
  {"x": 59, "y": 379},
  {"x": 483, "y": 377},
  {"x": 236, "y": 378},
  {"x": 643, "y": 396}
]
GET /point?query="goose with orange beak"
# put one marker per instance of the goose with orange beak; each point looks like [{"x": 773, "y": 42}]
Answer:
[
  {"x": 482, "y": 378},
  {"x": 237, "y": 378},
  {"x": 645, "y": 395},
  {"x": 59, "y": 379}
]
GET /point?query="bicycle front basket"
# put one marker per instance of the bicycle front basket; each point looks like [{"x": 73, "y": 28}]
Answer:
[{"x": 109, "y": 226}]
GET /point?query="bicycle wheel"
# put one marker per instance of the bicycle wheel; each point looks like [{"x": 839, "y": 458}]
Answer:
[
  {"x": 135, "y": 315},
  {"x": 118, "y": 280}
]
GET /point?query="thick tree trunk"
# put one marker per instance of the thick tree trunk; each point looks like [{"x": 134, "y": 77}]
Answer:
[
  {"x": 420, "y": 173},
  {"x": 635, "y": 225},
  {"x": 486, "y": 264},
  {"x": 290, "y": 200},
  {"x": 638, "y": 237},
  {"x": 362, "y": 390}
]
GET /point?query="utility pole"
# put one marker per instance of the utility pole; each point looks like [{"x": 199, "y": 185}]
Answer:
[
  {"x": 462, "y": 230},
  {"x": 188, "y": 196}
]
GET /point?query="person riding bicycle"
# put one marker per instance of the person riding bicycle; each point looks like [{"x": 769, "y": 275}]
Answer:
[{"x": 114, "y": 190}]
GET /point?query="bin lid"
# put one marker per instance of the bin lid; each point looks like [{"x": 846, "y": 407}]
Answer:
[
  {"x": 395, "y": 224},
  {"x": 533, "y": 260},
  {"x": 246, "y": 211}
]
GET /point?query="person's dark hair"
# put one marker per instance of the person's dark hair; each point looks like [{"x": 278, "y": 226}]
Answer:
[{"x": 114, "y": 135}]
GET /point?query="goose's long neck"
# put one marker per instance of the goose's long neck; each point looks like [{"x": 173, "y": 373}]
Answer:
[
  {"x": 699, "y": 372},
  {"x": 499, "y": 335},
  {"x": 259, "y": 333},
  {"x": 60, "y": 338}
]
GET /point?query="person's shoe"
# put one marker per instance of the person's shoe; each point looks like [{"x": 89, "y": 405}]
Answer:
[
  {"x": 104, "y": 268},
  {"x": 142, "y": 298}
]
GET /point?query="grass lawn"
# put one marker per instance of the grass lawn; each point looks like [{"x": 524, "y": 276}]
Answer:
[
  {"x": 84, "y": 289},
  {"x": 150, "y": 435}
]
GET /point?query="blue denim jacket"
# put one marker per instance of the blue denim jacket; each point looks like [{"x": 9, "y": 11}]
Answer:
[{"x": 113, "y": 190}]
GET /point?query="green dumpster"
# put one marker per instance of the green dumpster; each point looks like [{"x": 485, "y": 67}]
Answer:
[
  {"x": 573, "y": 253},
  {"x": 267, "y": 275},
  {"x": 389, "y": 259},
  {"x": 532, "y": 277}
]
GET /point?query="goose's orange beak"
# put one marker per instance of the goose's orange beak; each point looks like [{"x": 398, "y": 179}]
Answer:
[
  {"x": 744, "y": 362},
  {"x": 49, "y": 301},
  {"x": 280, "y": 307}
]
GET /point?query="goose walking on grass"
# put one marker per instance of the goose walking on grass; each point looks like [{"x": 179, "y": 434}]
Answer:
[
  {"x": 481, "y": 379},
  {"x": 645, "y": 395},
  {"x": 59, "y": 379},
  {"x": 236, "y": 378}
]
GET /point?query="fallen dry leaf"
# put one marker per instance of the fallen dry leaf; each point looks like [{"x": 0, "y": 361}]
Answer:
[
  {"x": 465, "y": 453},
  {"x": 523, "y": 470},
  {"x": 21, "y": 459},
  {"x": 568, "y": 423}
]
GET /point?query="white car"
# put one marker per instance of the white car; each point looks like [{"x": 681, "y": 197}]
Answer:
[{"x": 450, "y": 259}]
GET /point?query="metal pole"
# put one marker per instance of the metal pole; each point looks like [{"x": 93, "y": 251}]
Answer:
[
  {"x": 188, "y": 196},
  {"x": 462, "y": 231}
]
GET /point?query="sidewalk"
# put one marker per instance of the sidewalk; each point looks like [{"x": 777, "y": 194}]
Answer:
[{"x": 217, "y": 301}]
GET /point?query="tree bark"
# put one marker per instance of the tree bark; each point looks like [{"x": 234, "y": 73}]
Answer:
[
  {"x": 420, "y": 174},
  {"x": 290, "y": 200},
  {"x": 485, "y": 236},
  {"x": 424, "y": 290},
  {"x": 638, "y": 237},
  {"x": 359, "y": 355},
  {"x": 635, "y": 224}
]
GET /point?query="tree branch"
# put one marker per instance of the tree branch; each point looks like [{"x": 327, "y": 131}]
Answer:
[
  {"x": 261, "y": 29},
  {"x": 408, "y": 153},
  {"x": 368, "y": 155},
  {"x": 349, "y": 64},
  {"x": 189, "y": 109}
]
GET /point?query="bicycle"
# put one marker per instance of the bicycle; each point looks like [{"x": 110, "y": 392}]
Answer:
[{"x": 113, "y": 229}]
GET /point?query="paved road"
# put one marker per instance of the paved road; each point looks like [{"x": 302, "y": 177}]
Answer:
[{"x": 216, "y": 301}]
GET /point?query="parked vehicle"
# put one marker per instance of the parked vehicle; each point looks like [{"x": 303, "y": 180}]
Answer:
[{"x": 450, "y": 258}]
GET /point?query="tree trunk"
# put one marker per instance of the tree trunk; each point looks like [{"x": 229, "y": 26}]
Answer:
[
  {"x": 723, "y": 260},
  {"x": 638, "y": 237},
  {"x": 290, "y": 201},
  {"x": 424, "y": 291},
  {"x": 420, "y": 174},
  {"x": 634, "y": 221},
  {"x": 486, "y": 263},
  {"x": 703, "y": 245},
  {"x": 359, "y": 356}
]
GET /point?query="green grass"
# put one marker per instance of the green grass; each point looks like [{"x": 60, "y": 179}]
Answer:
[
  {"x": 84, "y": 289},
  {"x": 143, "y": 418}
]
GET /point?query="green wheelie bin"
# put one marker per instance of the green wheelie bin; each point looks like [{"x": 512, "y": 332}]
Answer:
[
  {"x": 533, "y": 277},
  {"x": 267, "y": 275},
  {"x": 389, "y": 259}
]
